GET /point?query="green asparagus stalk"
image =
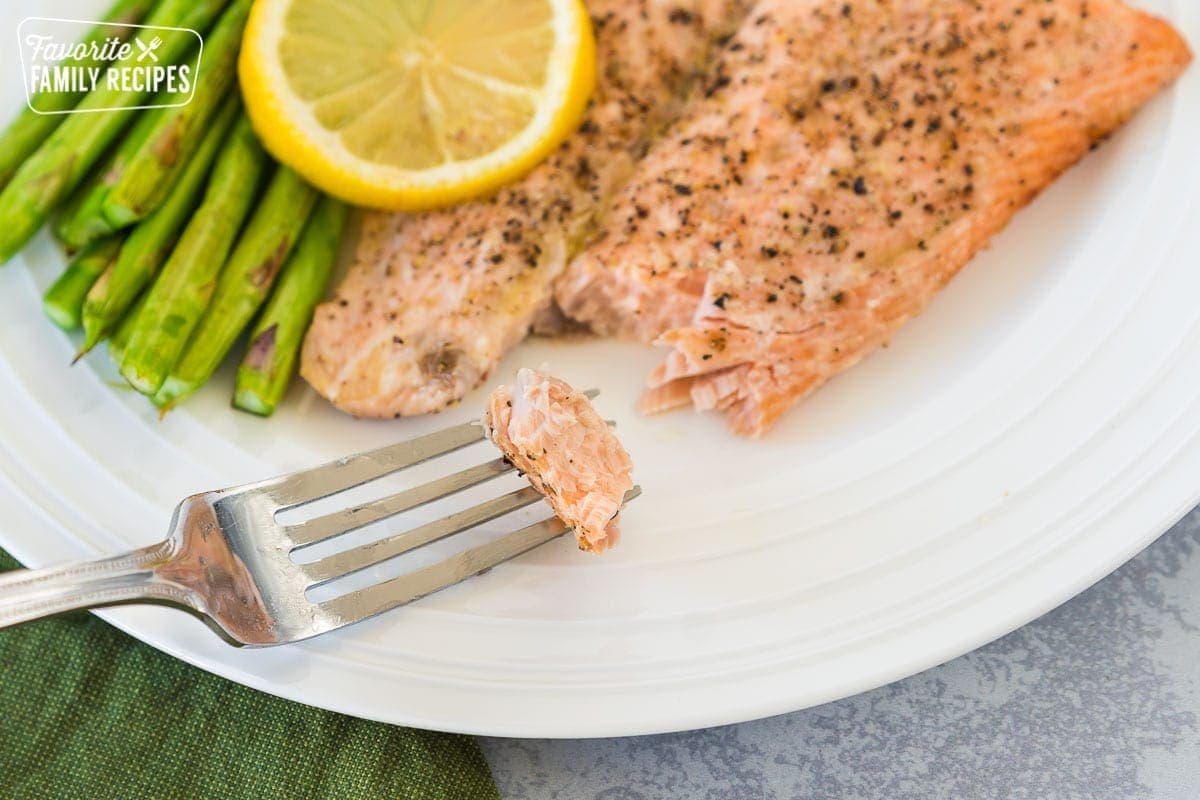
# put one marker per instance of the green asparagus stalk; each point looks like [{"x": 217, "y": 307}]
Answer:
[
  {"x": 177, "y": 133},
  {"x": 83, "y": 220},
  {"x": 182, "y": 291},
  {"x": 68, "y": 154},
  {"x": 266, "y": 371},
  {"x": 151, "y": 242},
  {"x": 30, "y": 128},
  {"x": 260, "y": 252},
  {"x": 120, "y": 336},
  {"x": 63, "y": 301}
]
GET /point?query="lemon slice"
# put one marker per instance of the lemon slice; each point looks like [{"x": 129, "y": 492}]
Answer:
[{"x": 415, "y": 104}]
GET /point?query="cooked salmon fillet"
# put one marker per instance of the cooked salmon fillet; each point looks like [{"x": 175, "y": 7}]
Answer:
[
  {"x": 853, "y": 156},
  {"x": 552, "y": 433},
  {"x": 434, "y": 300}
]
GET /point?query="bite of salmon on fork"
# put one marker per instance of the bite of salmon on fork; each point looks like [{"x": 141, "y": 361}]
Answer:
[
  {"x": 434, "y": 300},
  {"x": 854, "y": 155},
  {"x": 551, "y": 433}
]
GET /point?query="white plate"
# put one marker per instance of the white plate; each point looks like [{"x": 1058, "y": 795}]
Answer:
[{"x": 1035, "y": 429}]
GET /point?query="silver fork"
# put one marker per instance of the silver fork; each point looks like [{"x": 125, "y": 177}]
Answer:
[{"x": 228, "y": 559}]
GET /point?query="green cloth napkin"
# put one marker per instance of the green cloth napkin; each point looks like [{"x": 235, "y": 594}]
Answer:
[{"x": 90, "y": 713}]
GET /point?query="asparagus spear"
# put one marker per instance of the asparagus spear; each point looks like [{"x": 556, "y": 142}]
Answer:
[
  {"x": 178, "y": 130},
  {"x": 266, "y": 371},
  {"x": 66, "y": 156},
  {"x": 120, "y": 336},
  {"x": 244, "y": 284},
  {"x": 150, "y": 242},
  {"x": 63, "y": 301},
  {"x": 182, "y": 291},
  {"x": 31, "y": 128},
  {"x": 83, "y": 219}
]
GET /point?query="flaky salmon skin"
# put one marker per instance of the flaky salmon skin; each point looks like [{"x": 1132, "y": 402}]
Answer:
[
  {"x": 850, "y": 157},
  {"x": 553, "y": 435},
  {"x": 434, "y": 300}
]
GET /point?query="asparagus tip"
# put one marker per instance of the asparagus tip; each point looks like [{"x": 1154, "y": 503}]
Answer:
[
  {"x": 91, "y": 338},
  {"x": 172, "y": 392},
  {"x": 60, "y": 316},
  {"x": 137, "y": 380},
  {"x": 119, "y": 215},
  {"x": 252, "y": 402}
]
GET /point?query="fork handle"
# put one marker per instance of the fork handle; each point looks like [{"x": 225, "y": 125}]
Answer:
[{"x": 29, "y": 594}]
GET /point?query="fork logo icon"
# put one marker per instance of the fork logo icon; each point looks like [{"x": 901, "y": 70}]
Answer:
[{"x": 147, "y": 50}]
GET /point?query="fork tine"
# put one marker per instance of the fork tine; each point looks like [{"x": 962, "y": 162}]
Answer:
[
  {"x": 346, "y": 473},
  {"x": 358, "y": 558},
  {"x": 384, "y": 596},
  {"x": 381, "y": 597},
  {"x": 336, "y": 523}
]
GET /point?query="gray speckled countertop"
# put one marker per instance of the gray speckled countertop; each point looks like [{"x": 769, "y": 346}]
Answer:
[{"x": 1099, "y": 699}]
